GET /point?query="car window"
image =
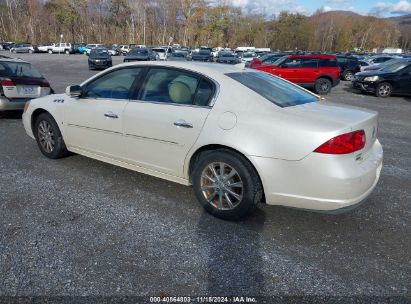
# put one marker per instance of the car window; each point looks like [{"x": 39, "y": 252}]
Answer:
[
  {"x": 114, "y": 85},
  {"x": 310, "y": 63},
  {"x": 204, "y": 93},
  {"x": 341, "y": 60},
  {"x": 293, "y": 62},
  {"x": 327, "y": 63},
  {"x": 169, "y": 86},
  {"x": 274, "y": 89}
]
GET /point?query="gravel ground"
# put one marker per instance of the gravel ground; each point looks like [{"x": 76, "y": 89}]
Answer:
[{"x": 80, "y": 227}]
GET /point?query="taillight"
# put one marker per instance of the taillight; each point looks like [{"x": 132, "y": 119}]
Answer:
[
  {"x": 44, "y": 84},
  {"x": 343, "y": 144},
  {"x": 6, "y": 82}
]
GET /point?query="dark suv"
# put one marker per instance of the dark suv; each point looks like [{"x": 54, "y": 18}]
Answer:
[
  {"x": 349, "y": 66},
  {"x": 318, "y": 72}
]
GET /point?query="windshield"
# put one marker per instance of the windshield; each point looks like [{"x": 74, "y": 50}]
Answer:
[
  {"x": 248, "y": 55},
  {"x": 98, "y": 53},
  {"x": 139, "y": 52},
  {"x": 159, "y": 50},
  {"x": 178, "y": 54},
  {"x": 280, "y": 61},
  {"x": 227, "y": 55},
  {"x": 204, "y": 52},
  {"x": 18, "y": 69},
  {"x": 395, "y": 67},
  {"x": 276, "y": 90}
]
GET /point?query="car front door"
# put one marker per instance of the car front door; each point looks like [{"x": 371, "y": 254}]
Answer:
[
  {"x": 94, "y": 121},
  {"x": 404, "y": 81},
  {"x": 290, "y": 70},
  {"x": 308, "y": 72},
  {"x": 165, "y": 119}
]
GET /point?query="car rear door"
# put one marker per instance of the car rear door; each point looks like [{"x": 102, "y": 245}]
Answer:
[
  {"x": 94, "y": 122},
  {"x": 308, "y": 72},
  {"x": 165, "y": 119}
]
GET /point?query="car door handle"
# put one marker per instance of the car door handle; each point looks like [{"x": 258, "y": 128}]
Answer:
[
  {"x": 183, "y": 123},
  {"x": 110, "y": 115}
]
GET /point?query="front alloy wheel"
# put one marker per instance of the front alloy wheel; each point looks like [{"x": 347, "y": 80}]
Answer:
[
  {"x": 48, "y": 137},
  {"x": 384, "y": 90}
]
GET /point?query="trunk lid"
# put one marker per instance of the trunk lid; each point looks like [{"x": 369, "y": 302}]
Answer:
[
  {"x": 25, "y": 87},
  {"x": 328, "y": 120}
]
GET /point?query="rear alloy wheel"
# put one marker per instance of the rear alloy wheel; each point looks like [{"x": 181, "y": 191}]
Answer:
[
  {"x": 30, "y": 51},
  {"x": 48, "y": 137},
  {"x": 348, "y": 76},
  {"x": 226, "y": 184},
  {"x": 67, "y": 52},
  {"x": 50, "y": 52},
  {"x": 322, "y": 86},
  {"x": 383, "y": 90}
]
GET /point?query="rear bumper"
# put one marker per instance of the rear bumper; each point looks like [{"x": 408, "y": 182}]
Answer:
[
  {"x": 16, "y": 104},
  {"x": 321, "y": 182}
]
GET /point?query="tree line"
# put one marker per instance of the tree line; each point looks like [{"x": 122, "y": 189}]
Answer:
[{"x": 193, "y": 23}]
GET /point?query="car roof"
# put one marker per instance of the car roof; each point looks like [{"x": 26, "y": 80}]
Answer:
[
  {"x": 10, "y": 59},
  {"x": 210, "y": 69},
  {"x": 313, "y": 56}
]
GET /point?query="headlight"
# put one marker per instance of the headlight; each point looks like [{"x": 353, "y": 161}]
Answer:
[{"x": 371, "y": 78}]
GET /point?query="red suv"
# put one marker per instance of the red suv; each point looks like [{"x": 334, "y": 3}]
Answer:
[{"x": 318, "y": 72}]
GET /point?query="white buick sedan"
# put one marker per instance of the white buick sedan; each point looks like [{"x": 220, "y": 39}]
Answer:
[{"x": 239, "y": 136}]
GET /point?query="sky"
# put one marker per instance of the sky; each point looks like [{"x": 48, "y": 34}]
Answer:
[{"x": 384, "y": 8}]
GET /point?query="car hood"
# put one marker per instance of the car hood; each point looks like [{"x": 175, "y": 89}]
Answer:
[{"x": 372, "y": 73}]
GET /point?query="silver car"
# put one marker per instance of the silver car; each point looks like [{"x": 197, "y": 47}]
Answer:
[{"x": 20, "y": 82}]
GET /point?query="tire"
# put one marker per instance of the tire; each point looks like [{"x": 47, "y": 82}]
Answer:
[
  {"x": 67, "y": 52},
  {"x": 383, "y": 90},
  {"x": 50, "y": 51},
  {"x": 214, "y": 199},
  {"x": 348, "y": 75},
  {"x": 30, "y": 52},
  {"x": 322, "y": 86},
  {"x": 48, "y": 137}
]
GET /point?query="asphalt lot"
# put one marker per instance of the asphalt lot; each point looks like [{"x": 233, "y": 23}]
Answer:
[{"x": 80, "y": 227}]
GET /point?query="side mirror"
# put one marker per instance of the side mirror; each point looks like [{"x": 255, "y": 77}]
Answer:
[{"x": 74, "y": 91}]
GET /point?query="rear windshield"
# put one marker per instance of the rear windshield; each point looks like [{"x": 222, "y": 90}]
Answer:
[
  {"x": 274, "y": 89},
  {"x": 99, "y": 53},
  {"x": 18, "y": 69},
  {"x": 227, "y": 55}
]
